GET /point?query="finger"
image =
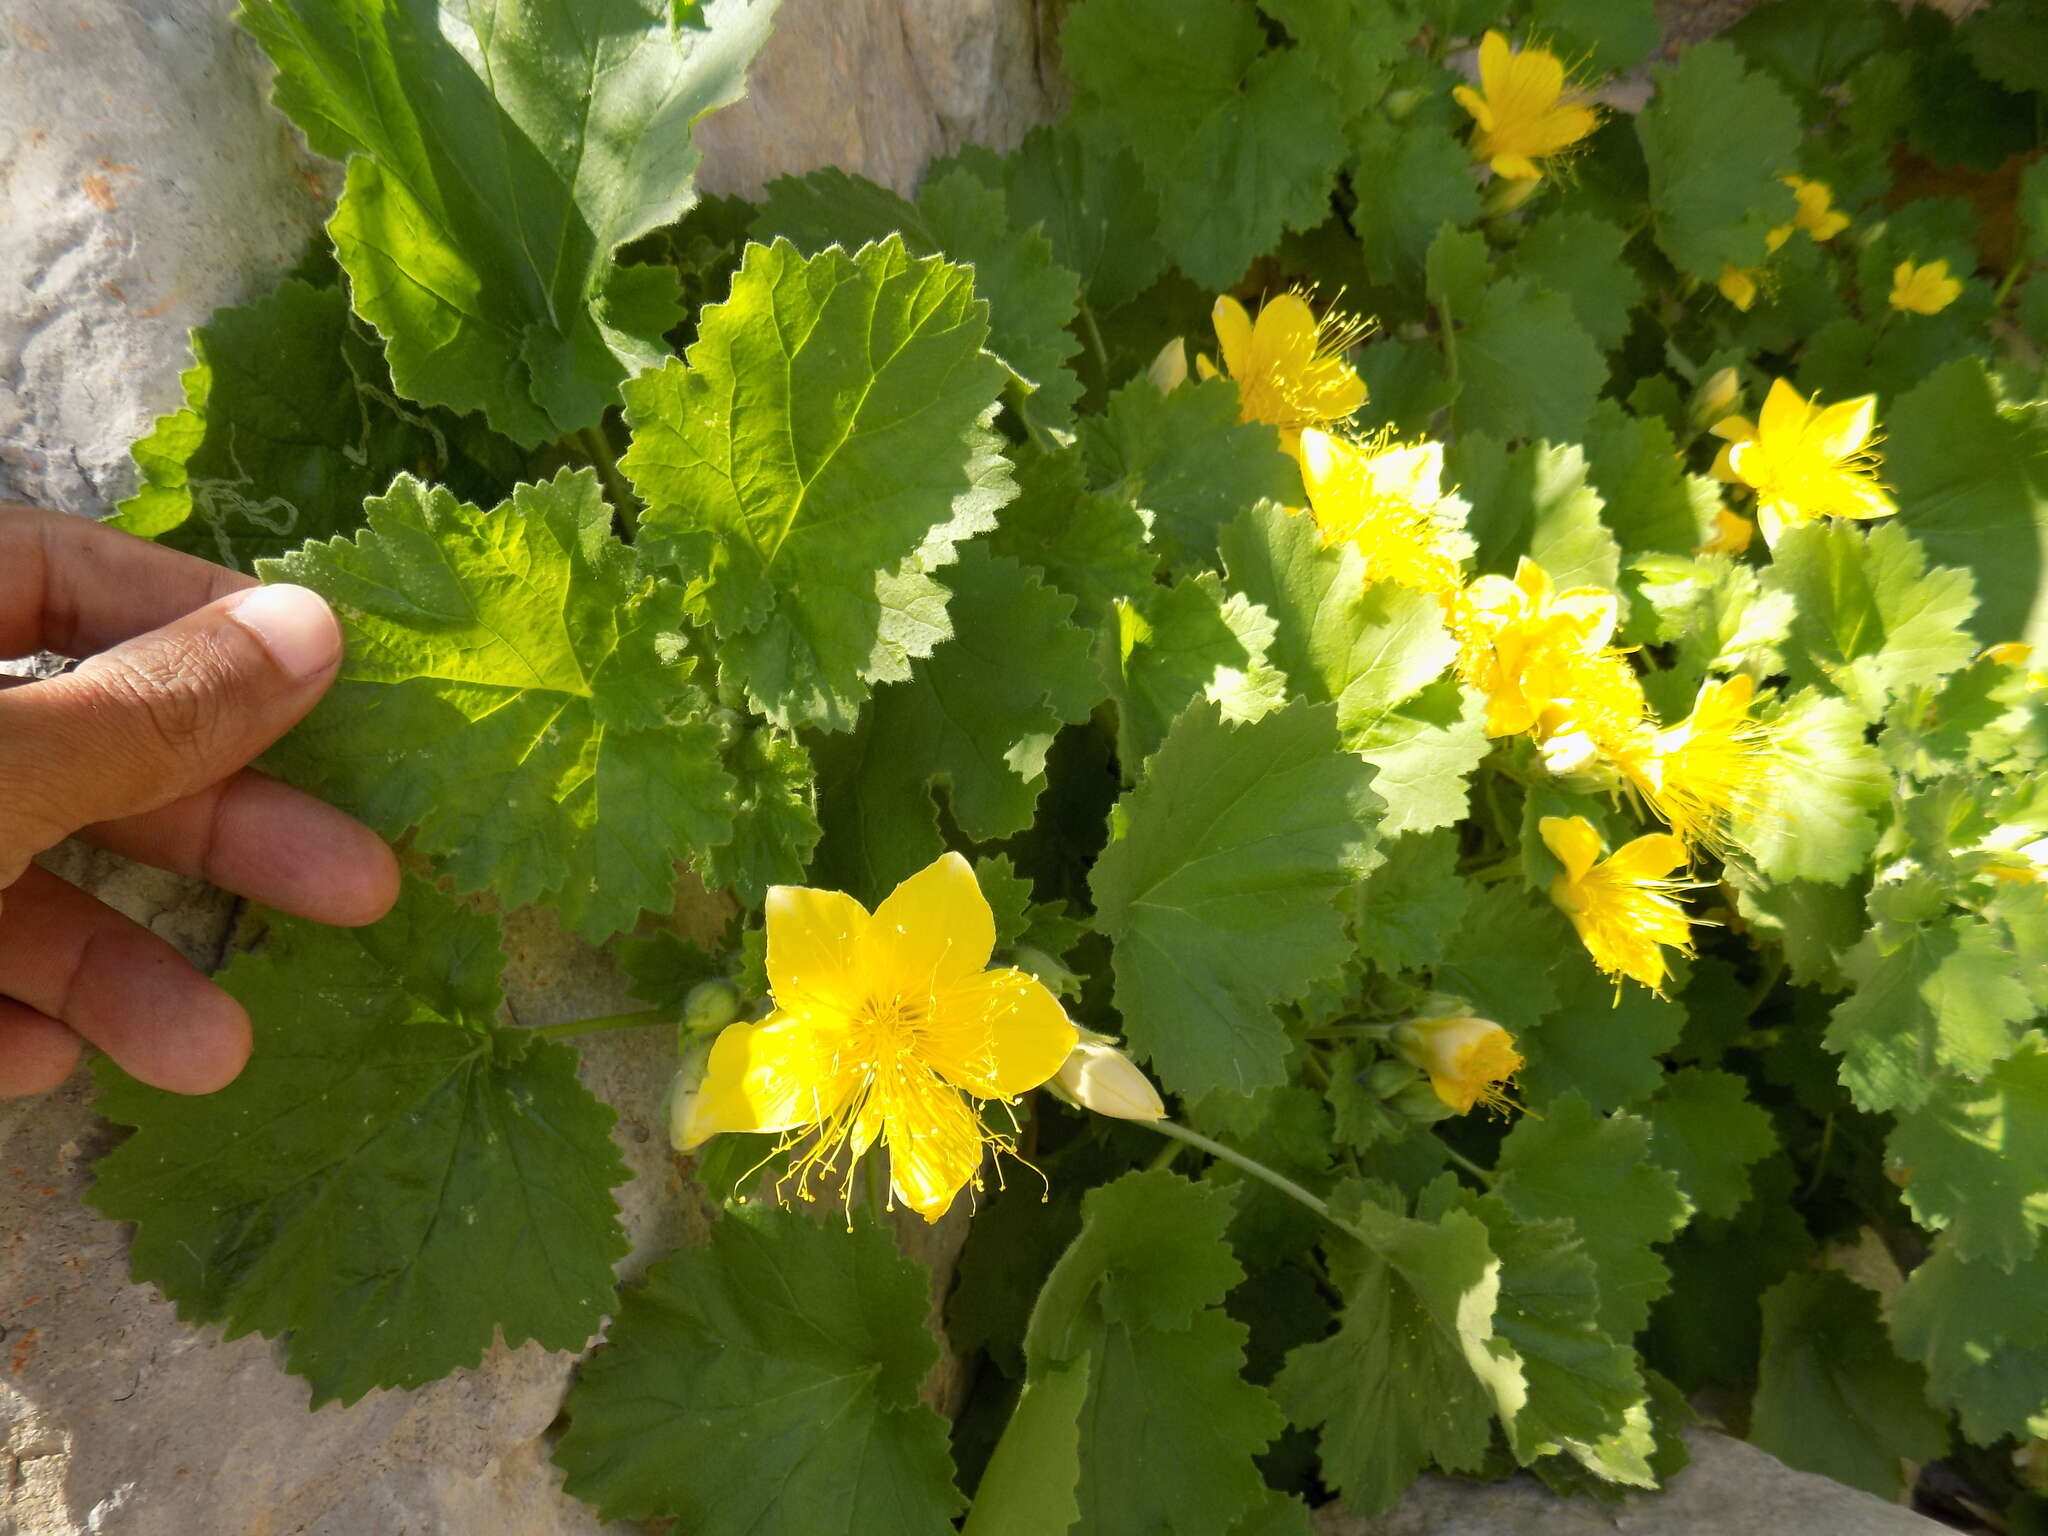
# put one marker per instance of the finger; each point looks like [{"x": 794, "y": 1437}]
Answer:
[
  {"x": 160, "y": 717},
  {"x": 74, "y": 586},
  {"x": 269, "y": 842},
  {"x": 73, "y": 959},
  {"x": 36, "y": 1052}
]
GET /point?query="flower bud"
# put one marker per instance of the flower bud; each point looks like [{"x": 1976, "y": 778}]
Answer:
[
  {"x": 1464, "y": 1057},
  {"x": 1716, "y": 396},
  {"x": 1400, "y": 105},
  {"x": 1169, "y": 369},
  {"x": 1419, "y": 1104},
  {"x": 1504, "y": 194},
  {"x": 1100, "y": 1077},
  {"x": 711, "y": 1004},
  {"x": 682, "y": 1096}
]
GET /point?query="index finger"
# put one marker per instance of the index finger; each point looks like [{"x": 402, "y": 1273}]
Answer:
[{"x": 73, "y": 586}]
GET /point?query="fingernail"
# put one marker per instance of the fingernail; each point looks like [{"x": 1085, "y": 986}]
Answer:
[{"x": 294, "y": 624}]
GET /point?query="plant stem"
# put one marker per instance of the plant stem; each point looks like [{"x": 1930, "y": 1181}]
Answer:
[
  {"x": 1252, "y": 1166},
  {"x": 1095, "y": 345},
  {"x": 639, "y": 1018},
  {"x": 1483, "y": 1175},
  {"x": 599, "y": 452}
]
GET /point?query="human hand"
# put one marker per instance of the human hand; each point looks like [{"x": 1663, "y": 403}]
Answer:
[{"x": 190, "y": 671}]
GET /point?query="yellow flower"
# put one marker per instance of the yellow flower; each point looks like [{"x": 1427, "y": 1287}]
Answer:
[
  {"x": 1521, "y": 112},
  {"x": 1816, "y": 214},
  {"x": 1622, "y": 905},
  {"x": 1805, "y": 460},
  {"x": 1465, "y": 1059},
  {"x": 1388, "y": 500},
  {"x": 1712, "y": 764},
  {"x": 1924, "y": 290},
  {"x": 1738, "y": 285},
  {"x": 885, "y": 1027},
  {"x": 1732, "y": 534},
  {"x": 1597, "y": 728},
  {"x": 1289, "y": 368},
  {"x": 1518, "y": 640}
]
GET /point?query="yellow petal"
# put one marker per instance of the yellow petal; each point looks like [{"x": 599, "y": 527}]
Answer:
[
  {"x": 935, "y": 1143},
  {"x": 1843, "y": 429},
  {"x": 1322, "y": 461},
  {"x": 1515, "y": 168},
  {"x": 1204, "y": 369},
  {"x": 1573, "y": 842},
  {"x": 997, "y": 1035},
  {"x": 814, "y": 947},
  {"x": 1233, "y": 335},
  {"x": 1733, "y": 429},
  {"x": 1475, "y": 104},
  {"x": 1284, "y": 336},
  {"x": 931, "y": 932},
  {"x": 776, "y": 1075},
  {"x": 1650, "y": 857},
  {"x": 1494, "y": 61},
  {"x": 1784, "y": 414}
]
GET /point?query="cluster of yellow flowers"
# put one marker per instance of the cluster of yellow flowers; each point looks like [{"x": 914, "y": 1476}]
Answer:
[{"x": 1917, "y": 288}]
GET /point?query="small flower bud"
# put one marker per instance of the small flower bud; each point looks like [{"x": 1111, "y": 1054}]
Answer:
[
  {"x": 1464, "y": 1057},
  {"x": 1169, "y": 369},
  {"x": 711, "y": 1004},
  {"x": 1420, "y": 1104},
  {"x": 1100, "y": 1077},
  {"x": 1400, "y": 105},
  {"x": 1504, "y": 194},
  {"x": 1716, "y": 396},
  {"x": 683, "y": 1094}
]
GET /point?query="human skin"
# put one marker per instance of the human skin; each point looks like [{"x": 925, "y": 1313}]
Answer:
[{"x": 187, "y": 672}]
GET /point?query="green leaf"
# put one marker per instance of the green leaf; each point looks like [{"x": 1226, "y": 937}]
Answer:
[
  {"x": 1408, "y": 909},
  {"x": 1704, "y": 1128},
  {"x": 1091, "y": 545},
  {"x": 1812, "y": 818},
  {"x": 1218, "y": 888},
  {"x": 1425, "y": 751},
  {"x": 1971, "y": 475},
  {"x": 1503, "y": 957},
  {"x": 774, "y": 816},
  {"x": 1602, "y": 1043},
  {"x": 1093, "y": 205},
  {"x": 1524, "y": 365},
  {"x": 1977, "y": 1158},
  {"x": 1365, "y": 648},
  {"x": 1717, "y": 138},
  {"x": 1716, "y": 614},
  {"x": 1354, "y": 44},
  {"x": 1581, "y": 1384},
  {"x": 1413, "y": 1374},
  {"x": 1941, "y": 995},
  {"x": 1579, "y": 256},
  {"x": 1869, "y": 618},
  {"x": 1594, "y": 1170},
  {"x": 1029, "y": 1486},
  {"x": 1238, "y": 143},
  {"x": 1186, "y": 461},
  {"x": 816, "y": 457},
  {"x": 498, "y": 156},
  {"x": 1982, "y": 1333},
  {"x": 1192, "y": 640},
  {"x": 1534, "y": 501},
  {"x": 1170, "y": 1426},
  {"x": 513, "y": 689},
  {"x": 393, "y": 1179},
  {"x": 1616, "y": 33},
  {"x": 977, "y": 716},
  {"x": 1650, "y": 503},
  {"x": 767, "y": 1383},
  {"x": 1410, "y": 179},
  {"x": 288, "y": 423},
  {"x": 1831, "y": 1396}
]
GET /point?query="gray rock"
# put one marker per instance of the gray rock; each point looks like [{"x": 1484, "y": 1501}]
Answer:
[{"x": 1731, "y": 1489}]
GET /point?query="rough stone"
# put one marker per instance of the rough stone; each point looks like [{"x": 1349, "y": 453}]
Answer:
[{"x": 1730, "y": 1489}]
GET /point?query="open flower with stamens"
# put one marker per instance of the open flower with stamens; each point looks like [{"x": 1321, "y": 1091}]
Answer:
[
  {"x": 1518, "y": 639},
  {"x": 1522, "y": 112},
  {"x": 1467, "y": 1059},
  {"x": 1622, "y": 905},
  {"x": 1805, "y": 460},
  {"x": 1388, "y": 499},
  {"x": 887, "y": 1027},
  {"x": 1711, "y": 765},
  {"x": 1289, "y": 366}
]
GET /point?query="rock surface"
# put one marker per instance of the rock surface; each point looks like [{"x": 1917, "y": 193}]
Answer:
[{"x": 1731, "y": 1489}]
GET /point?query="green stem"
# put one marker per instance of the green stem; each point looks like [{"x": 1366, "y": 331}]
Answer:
[
  {"x": 1252, "y": 1166},
  {"x": 1483, "y": 1175},
  {"x": 639, "y": 1018},
  {"x": 2012, "y": 276},
  {"x": 1095, "y": 345},
  {"x": 599, "y": 452}
]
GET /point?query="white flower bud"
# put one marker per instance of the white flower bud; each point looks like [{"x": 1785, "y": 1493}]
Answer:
[
  {"x": 1100, "y": 1077},
  {"x": 682, "y": 1096},
  {"x": 1716, "y": 396},
  {"x": 1169, "y": 369}
]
